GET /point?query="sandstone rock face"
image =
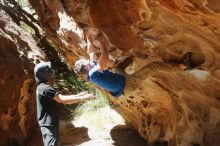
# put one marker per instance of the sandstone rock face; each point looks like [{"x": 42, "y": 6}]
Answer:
[
  {"x": 153, "y": 41},
  {"x": 18, "y": 53}
]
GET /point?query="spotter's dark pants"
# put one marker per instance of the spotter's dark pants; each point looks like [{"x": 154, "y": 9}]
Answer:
[{"x": 50, "y": 135}]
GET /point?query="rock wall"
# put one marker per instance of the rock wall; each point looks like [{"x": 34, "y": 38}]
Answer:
[
  {"x": 170, "y": 50},
  {"x": 18, "y": 53}
]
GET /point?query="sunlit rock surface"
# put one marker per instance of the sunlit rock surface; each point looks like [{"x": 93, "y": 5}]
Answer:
[
  {"x": 170, "y": 47},
  {"x": 18, "y": 52}
]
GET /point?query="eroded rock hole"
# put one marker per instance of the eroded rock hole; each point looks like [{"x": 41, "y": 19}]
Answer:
[
  {"x": 193, "y": 60},
  {"x": 161, "y": 143},
  {"x": 144, "y": 103},
  {"x": 144, "y": 15}
]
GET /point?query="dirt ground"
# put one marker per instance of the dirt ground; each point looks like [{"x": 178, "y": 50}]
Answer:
[{"x": 104, "y": 127}]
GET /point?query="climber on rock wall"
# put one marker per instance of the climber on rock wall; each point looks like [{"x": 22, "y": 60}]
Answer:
[
  {"x": 114, "y": 83},
  {"x": 46, "y": 101}
]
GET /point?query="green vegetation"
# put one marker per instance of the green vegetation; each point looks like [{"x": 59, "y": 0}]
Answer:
[
  {"x": 92, "y": 105},
  {"x": 27, "y": 28},
  {"x": 69, "y": 83}
]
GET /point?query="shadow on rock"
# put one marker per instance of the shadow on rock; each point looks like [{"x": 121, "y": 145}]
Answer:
[
  {"x": 125, "y": 135},
  {"x": 70, "y": 135}
]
